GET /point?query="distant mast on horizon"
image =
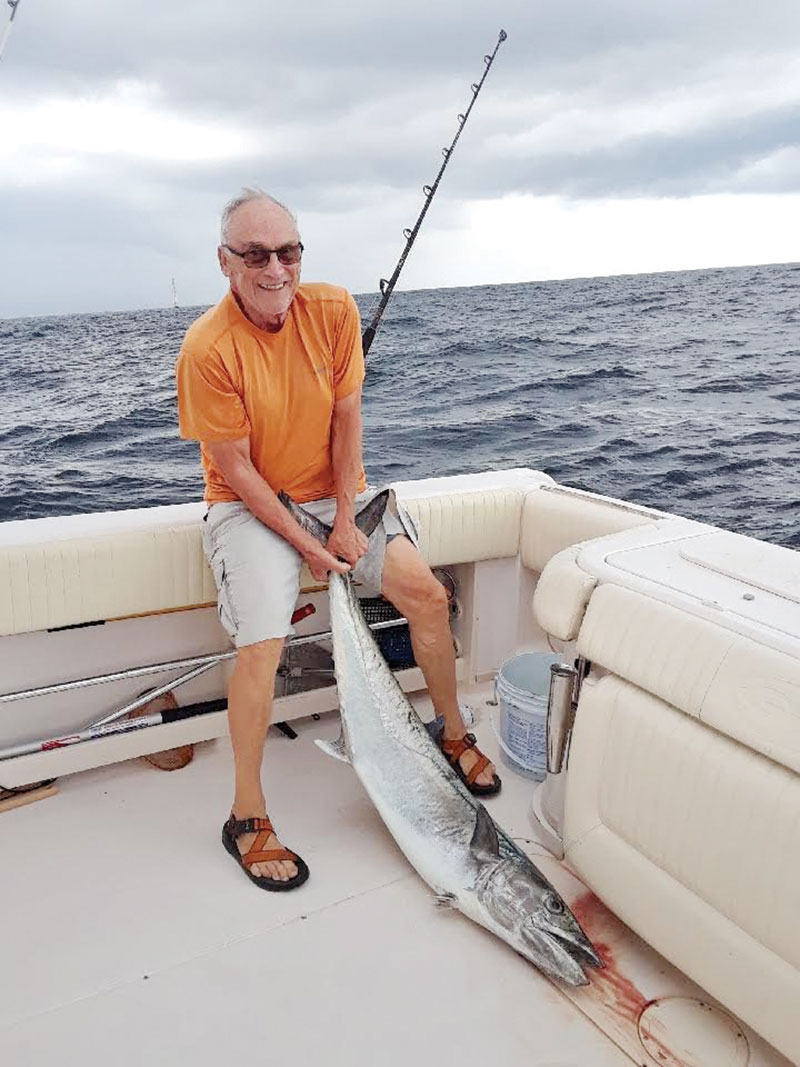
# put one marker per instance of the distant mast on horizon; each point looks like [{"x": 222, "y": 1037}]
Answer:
[{"x": 174, "y": 294}]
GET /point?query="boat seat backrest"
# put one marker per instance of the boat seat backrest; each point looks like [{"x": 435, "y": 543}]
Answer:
[
  {"x": 562, "y": 594},
  {"x": 91, "y": 568},
  {"x": 556, "y": 523},
  {"x": 88, "y": 568},
  {"x": 466, "y": 527},
  {"x": 555, "y": 518},
  {"x": 741, "y": 688}
]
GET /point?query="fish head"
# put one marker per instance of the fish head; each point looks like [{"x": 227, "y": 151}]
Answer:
[
  {"x": 536, "y": 921},
  {"x": 527, "y": 911}
]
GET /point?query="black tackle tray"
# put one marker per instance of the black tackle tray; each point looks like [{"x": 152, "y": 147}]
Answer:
[{"x": 395, "y": 641}]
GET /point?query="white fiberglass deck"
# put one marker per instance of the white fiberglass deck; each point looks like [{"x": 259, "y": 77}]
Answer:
[
  {"x": 124, "y": 925},
  {"x": 127, "y": 933}
]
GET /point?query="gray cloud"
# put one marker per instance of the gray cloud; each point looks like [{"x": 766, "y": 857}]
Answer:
[
  {"x": 347, "y": 106},
  {"x": 675, "y": 164}
]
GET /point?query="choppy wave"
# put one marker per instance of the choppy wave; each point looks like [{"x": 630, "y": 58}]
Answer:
[{"x": 674, "y": 390}]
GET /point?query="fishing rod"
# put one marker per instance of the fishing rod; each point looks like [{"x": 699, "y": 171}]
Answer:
[
  {"x": 109, "y": 729},
  {"x": 387, "y": 287},
  {"x": 13, "y": 4},
  {"x": 118, "y": 723}
]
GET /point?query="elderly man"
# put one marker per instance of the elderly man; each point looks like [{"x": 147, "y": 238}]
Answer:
[{"x": 269, "y": 383}]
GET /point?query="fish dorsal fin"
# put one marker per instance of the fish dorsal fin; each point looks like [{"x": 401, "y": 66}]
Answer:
[
  {"x": 337, "y": 748},
  {"x": 485, "y": 845}
]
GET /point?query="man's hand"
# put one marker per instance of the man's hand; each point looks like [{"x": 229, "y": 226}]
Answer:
[
  {"x": 233, "y": 459},
  {"x": 347, "y": 541},
  {"x": 321, "y": 562}
]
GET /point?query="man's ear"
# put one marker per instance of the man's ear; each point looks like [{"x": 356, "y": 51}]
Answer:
[{"x": 223, "y": 266}]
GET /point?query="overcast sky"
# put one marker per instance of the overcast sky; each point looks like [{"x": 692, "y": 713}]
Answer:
[{"x": 611, "y": 136}]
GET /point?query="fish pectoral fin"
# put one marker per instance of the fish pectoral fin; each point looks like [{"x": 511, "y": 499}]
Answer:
[
  {"x": 485, "y": 844},
  {"x": 337, "y": 748},
  {"x": 435, "y": 727},
  {"x": 445, "y": 900}
]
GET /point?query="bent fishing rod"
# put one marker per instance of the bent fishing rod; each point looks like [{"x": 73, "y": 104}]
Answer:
[
  {"x": 387, "y": 286},
  {"x": 13, "y": 4}
]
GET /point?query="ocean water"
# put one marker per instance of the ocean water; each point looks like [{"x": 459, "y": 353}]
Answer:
[{"x": 678, "y": 390}]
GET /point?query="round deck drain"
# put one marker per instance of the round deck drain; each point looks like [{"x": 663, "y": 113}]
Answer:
[{"x": 683, "y": 1032}]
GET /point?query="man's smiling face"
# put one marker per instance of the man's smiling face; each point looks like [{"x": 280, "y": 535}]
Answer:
[{"x": 265, "y": 293}]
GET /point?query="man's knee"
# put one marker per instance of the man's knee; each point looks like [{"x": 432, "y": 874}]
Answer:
[
  {"x": 260, "y": 660},
  {"x": 432, "y": 595},
  {"x": 416, "y": 592}
]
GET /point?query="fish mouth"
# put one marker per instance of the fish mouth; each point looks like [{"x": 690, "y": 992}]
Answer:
[
  {"x": 580, "y": 948},
  {"x": 561, "y": 954},
  {"x": 553, "y": 958}
]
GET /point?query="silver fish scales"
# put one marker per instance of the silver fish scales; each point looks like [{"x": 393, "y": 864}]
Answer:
[{"x": 445, "y": 833}]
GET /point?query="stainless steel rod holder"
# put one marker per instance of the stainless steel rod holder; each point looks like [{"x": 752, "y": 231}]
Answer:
[{"x": 560, "y": 714}]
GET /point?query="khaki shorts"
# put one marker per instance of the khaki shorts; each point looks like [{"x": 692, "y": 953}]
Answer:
[{"x": 257, "y": 572}]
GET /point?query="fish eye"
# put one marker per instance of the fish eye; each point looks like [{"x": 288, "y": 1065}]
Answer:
[{"x": 555, "y": 905}]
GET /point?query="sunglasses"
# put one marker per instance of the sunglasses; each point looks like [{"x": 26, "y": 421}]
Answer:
[{"x": 258, "y": 256}]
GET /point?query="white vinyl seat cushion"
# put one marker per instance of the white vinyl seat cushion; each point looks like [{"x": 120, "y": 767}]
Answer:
[
  {"x": 555, "y": 518},
  {"x": 694, "y": 841},
  {"x": 464, "y": 527},
  {"x": 91, "y": 579},
  {"x": 562, "y": 594},
  {"x": 743, "y": 689},
  {"x": 92, "y": 568}
]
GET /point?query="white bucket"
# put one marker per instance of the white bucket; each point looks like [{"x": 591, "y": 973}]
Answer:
[{"x": 522, "y": 686}]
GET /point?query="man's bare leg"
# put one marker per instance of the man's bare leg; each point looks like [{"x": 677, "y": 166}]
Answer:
[
  {"x": 249, "y": 713},
  {"x": 409, "y": 584}
]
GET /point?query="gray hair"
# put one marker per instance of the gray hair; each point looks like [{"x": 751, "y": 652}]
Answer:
[{"x": 245, "y": 196}]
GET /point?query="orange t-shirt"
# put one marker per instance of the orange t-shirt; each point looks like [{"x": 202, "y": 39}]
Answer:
[{"x": 236, "y": 380}]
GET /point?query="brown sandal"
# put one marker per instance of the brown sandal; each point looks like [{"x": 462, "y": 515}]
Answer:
[
  {"x": 454, "y": 750},
  {"x": 234, "y": 828}
]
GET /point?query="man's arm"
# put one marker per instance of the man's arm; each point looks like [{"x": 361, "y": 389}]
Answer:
[
  {"x": 346, "y": 540},
  {"x": 233, "y": 460}
]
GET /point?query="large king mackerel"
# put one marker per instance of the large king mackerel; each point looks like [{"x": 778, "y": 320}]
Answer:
[{"x": 445, "y": 833}]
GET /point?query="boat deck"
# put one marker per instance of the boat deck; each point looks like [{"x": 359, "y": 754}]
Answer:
[{"x": 126, "y": 926}]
